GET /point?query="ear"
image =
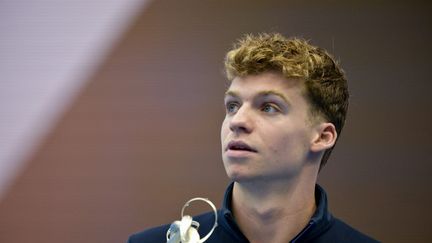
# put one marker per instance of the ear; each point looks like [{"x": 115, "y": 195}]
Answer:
[{"x": 325, "y": 137}]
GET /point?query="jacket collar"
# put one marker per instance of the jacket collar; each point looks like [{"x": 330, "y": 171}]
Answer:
[{"x": 319, "y": 222}]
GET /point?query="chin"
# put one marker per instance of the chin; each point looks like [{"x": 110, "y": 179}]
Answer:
[
  {"x": 239, "y": 176},
  {"x": 238, "y": 171}
]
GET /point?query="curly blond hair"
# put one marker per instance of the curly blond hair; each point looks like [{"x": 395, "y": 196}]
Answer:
[{"x": 326, "y": 86}]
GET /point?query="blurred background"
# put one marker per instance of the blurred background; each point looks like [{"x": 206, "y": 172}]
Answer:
[{"x": 110, "y": 111}]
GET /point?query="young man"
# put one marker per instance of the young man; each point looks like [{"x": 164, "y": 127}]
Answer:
[{"x": 285, "y": 108}]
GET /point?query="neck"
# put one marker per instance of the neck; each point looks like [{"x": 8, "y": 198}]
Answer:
[{"x": 273, "y": 211}]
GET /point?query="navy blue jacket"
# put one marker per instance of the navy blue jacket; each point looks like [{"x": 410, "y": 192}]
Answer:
[{"x": 322, "y": 227}]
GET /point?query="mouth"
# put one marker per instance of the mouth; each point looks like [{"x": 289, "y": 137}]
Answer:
[{"x": 239, "y": 146}]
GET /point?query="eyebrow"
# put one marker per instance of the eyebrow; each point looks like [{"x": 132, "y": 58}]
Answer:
[{"x": 261, "y": 93}]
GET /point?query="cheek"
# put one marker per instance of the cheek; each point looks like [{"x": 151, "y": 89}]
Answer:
[
  {"x": 285, "y": 145},
  {"x": 224, "y": 129},
  {"x": 276, "y": 140},
  {"x": 280, "y": 144}
]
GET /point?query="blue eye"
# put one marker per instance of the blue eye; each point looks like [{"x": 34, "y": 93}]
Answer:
[
  {"x": 232, "y": 107},
  {"x": 269, "y": 108}
]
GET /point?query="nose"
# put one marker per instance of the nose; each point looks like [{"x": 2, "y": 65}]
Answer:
[{"x": 241, "y": 121}]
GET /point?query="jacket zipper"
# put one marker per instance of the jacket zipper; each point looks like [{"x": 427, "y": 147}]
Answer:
[{"x": 302, "y": 232}]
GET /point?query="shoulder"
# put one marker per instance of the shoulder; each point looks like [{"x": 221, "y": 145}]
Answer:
[
  {"x": 155, "y": 234},
  {"x": 342, "y": 232},
  {"x": 158, "y": 234}
]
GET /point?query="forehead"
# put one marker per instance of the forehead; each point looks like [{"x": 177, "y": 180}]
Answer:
[{"x": 266, "y": 84}]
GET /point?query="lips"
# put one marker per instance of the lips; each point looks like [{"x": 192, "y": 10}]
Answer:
[{"x": 240, "y": 146}]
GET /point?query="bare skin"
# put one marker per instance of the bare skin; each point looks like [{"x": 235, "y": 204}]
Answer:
[
  {"x": 272, "y": 150},
  {"x": 273, "y": 217}
]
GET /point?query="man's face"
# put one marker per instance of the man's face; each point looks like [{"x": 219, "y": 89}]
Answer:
[{"x": 267, "y": 132}]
